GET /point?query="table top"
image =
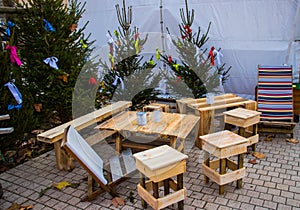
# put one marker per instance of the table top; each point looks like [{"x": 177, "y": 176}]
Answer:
[
  {"x": 159, "y": 157},
  {"x": 242, "y": 113},
  {"x": 170, "y": 124},
  {"x": 223, "y": 139}
]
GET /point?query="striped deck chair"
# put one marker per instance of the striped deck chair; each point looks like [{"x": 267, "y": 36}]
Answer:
[{"x": 275, "y": 99}]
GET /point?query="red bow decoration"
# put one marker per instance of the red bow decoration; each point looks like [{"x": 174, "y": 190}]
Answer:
[
  {"x": 136, "y": 36},
  {"x": 92, "y": 81},
  {"x": 188, "y": 31},
  {"x": 211, "y": 56}
]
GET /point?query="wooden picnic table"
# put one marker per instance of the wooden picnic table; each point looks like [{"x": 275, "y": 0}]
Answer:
[
  {"x": 173, "y": 125},
  {"x": 207, "y": 111}
]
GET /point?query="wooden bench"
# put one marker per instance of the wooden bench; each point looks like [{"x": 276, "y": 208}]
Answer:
[{"x": 55, "y": 135}]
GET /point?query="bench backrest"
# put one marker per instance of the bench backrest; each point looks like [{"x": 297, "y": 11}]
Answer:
[{"x": 56, "y": 134}]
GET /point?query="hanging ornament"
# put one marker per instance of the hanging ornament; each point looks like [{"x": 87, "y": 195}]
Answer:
[
  {"x": 176, "y": 66},
  {"x": 157, "y": 54},
  {"x": 116, "y": 34},
  {"x": 116, "y": 82},
  {"x": 52, "y": 62},
  {"x": 151, "y": 62},
  {"x": 170, "y": 59},
  {"x": 73, "y": 27},
  {"x": 211, "y": 56},
  {"x": 16, "y": 94},
  {"x": 9, "y": 26},
  {"x": 218, "y": 56},
  {"x": 92, "y": 81},
  {"x": 48, "y": 26},
  {"x": 14, "y": 58},
  {"x": 103, "y": 85},
  {"x": 83, "y": 45},
  {"x": 136, "y": 46},
  {"x": 188, "y": 31}
]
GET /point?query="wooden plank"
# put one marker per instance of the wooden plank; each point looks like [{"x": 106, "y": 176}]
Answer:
[
  {"x": 217, "y": 102},
  {"x": 4, "y": 117},
  {"x": 129, "y": 161},
  {"x": 115, "y": 168},
  {"x": 6, "y": 130},
  {"x": 55, "y": 134},
  {"x": 253, "y": 139},
  {"x": 225, "y": 178}
]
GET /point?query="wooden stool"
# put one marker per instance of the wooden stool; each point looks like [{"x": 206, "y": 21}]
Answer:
[
  {"x": 244, "y": 118},
  {"x": 223, "y": 145},
  {"x": 160, "y": 164},
  {"x": 156, "y": 106}
]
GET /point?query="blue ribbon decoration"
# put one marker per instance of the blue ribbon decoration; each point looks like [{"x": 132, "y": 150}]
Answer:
[
  {"x": 48, "y": 26},
  {"x": 16, "y": 94},
  {"x": 52, "y": 62},
  {"x": 11, "y": 106},
  {"x": 9, "y": 26}
]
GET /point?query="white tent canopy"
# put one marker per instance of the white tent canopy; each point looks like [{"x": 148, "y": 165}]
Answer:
[{"x": 249, "y": 32}]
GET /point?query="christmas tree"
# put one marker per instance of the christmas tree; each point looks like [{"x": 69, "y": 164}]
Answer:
[
  {"x": 53, "y": 50},
  {"x": 196, "y": 69},
  {"x": 127, "y": 76}
]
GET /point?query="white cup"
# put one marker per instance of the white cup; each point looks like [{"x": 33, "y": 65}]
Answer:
[
  {"x": 141, "y": 118},
  {"x": 156, "y": 115}
]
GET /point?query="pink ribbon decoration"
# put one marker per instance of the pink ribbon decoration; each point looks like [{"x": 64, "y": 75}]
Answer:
[{"x": 14, "y": 58}]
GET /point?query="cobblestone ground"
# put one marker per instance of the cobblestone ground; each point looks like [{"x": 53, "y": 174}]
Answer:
[{"x": 272, "y": 183}]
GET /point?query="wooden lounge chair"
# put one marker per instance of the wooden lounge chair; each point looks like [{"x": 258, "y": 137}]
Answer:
[
  {"x": 97, "y": 170},
  {"x": 275, "y": 99}
]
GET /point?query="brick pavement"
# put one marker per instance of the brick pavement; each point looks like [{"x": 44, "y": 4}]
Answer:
[{"x": 272, "y": 183}]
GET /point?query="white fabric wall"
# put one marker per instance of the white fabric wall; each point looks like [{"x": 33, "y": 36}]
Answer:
[{"x": 250, "y": 32}]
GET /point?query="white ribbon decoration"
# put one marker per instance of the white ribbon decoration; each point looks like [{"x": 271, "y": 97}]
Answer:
[
  {"x": 218, "y": 56},
  {"x": 52, "y": 62},
  {"x": 116, "y": 82},
  {"x": 111, "y": 41}
]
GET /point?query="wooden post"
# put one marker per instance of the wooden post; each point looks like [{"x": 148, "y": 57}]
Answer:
[
  {"x": 143, "y": 184},
  {"x": 118, "y": 143},
  {"x": 155, "y": 189},
  {"x": 166, "y": 187},
  {"x": 222, "y": 171},
  {"x": 179, "y": 187},
  {"x": 240, "y": 165},
  {"x": 207, "y": 163},
  {"x": 58, "y": 154}
]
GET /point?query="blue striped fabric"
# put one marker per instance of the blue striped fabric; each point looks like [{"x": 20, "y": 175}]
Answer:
[{"x": 275, "y": 93}]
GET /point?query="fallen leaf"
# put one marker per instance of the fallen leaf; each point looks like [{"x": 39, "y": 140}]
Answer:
[
  {"x": 269, "y": 138},
  {"x": 116, "y": 201},
  {"x": 259, "y": 155},
  {"x": 253, "y": 161},
  {"x": 16, "y": 206},
  {"x": 294, "y": 141},
  {"x": 38, "y": 107},
  {"x": 62, "y": 185}
]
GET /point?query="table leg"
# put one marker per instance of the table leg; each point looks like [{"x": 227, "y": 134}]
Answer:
[
  {"x": 57, "y": 149},
  {"x": 143, "y": 184},
  {"x": 240, "y": 165},
  {"x": 222, "y": 171},
  {"x": 118, "y": 143},
  {"x": 207, "y": 163},
  {"x": 173, "y": 141},
  {"x": 179, "y": 187}
]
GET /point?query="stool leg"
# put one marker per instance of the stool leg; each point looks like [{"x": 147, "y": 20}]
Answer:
[
  {"x": 206, "y": 162},
  {"x": 143, "y": 184},
  {"x": 179, "y": 187},
  {"x": 166, "y": 187},
  {"x": 240, "y": 165},
  {"x": 222, "y": 171},
  {"x": 155, "y": 189}
]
